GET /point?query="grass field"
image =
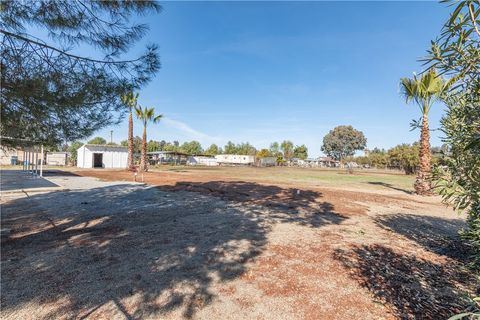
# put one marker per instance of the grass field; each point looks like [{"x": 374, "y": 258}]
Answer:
[
  {"x": 305, "y": 177},
  {"x": 231, "y": 243},
  {"x": 314, "y": 177}
]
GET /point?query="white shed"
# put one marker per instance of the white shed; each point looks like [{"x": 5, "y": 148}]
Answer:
[{"x": 102, "y": 156}]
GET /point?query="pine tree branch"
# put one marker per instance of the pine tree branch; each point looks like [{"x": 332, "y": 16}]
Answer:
[{"x": 10, "y": 34}]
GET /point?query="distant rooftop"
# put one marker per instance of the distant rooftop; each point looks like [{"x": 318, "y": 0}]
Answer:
[
  {"x": 325, "y": 159},
  {"x": 105, "y": 146},
  {"x": 168, "y": 152}
]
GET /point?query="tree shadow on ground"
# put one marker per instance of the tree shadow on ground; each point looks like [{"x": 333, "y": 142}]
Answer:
[
  {"x": 136, "y": 250},
  {"x": 59, "y": 173},
  {"x": 287, "y": 204},
  {"x": 391, "y": 186},
  {"x": 432, "y": 233},
  {"x": 414, "y": 288}
]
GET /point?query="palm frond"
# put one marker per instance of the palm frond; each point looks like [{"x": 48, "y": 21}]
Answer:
[
  {"x": 139, "y": 112},
  {"x": 425, "y": 89},
  {"x": 147, "y": 114},
  {"x": 157, "y": 118}
]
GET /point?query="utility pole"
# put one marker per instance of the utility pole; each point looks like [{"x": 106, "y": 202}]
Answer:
[{"x": 111, "y": 136}]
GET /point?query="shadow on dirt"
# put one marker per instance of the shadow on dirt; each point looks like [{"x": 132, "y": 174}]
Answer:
[
  {"x": 287, "y": 204},
  {"x": 138, "y": 250},
  {"x": 414, "y": 288},
  {"x": 432, "y": 233},
  {"x": 390, "y": 186}
]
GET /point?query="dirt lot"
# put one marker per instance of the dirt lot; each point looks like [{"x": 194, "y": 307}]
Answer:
[{"x": 232, "y": 243}]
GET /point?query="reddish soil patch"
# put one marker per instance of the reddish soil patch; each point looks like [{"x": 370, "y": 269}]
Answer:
[
  {"x": 414, "y": 286},
  {"x": 318, "y": 284},
  {"x": 263, "y": 193}
]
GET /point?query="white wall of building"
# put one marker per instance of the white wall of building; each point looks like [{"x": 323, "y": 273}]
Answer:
[
  {"x": 6, "y": 155},
  {"x": 235, "y": 159},
  {"x": 81, "y": 162},
  {"x": 112, "y": 156},
  {"x": 56, "y": 158},
  {"x": 202, "y": 161}
]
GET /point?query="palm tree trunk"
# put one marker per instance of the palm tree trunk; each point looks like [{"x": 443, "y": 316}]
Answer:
[
  {"x": 143, "y": 161},
  {"x": 423, "y": 184},
  {"x": 130, "y": 164}
]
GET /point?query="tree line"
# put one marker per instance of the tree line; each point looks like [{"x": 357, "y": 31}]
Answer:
[
  {"x": 403, "y": 156},
  {"x": 285, "y": 150}
]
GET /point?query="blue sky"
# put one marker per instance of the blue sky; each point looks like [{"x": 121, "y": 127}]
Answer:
[{"x": 269, "y": 71}]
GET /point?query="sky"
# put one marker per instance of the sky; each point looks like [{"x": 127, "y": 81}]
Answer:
[{"x": 269, "y": 71}]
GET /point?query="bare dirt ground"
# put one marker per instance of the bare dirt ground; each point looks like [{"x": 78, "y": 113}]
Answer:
[{"x": 231, "y": 243}]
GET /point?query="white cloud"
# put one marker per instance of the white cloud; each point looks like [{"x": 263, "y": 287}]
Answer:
[{"x": 190, "y": 132}]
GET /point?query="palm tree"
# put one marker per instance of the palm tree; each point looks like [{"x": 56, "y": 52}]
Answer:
[
  {"x": 424, "y": 90},
  {"x": 130, "y": 99},
  {"x": 146, "y": 115}
]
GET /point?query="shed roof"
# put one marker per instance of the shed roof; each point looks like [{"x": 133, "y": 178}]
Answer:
[{"x": 106, "y": 146}]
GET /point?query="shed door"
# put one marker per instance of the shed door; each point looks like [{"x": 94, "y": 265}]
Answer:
[{"x": 98, "y": 160}]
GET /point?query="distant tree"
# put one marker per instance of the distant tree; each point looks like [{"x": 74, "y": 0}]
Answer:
[
  {"x": 287, "y": 149},
  {"x": 275, "y": 149},
  {"x": 170, "y": 147},
  {"x": 424, "y": 90},
  {"x": 192, "y": 148},
  {"x": 281, "y": 161},
  {"x": 153, "y": 145},
  {"x": 300, "y": 152},
  {"x": 405, "y": 157},
  {"x": 213, "y": 150},
  {"x": 343, "y": 141},
  {"x": 146, "y": 115},
  {"x": 378, "y": 159},
  {"x": 72, "y": 149},
  {"x": 378, "y": 150},
  {"x": 241, "y": 148},
  {"x": 162, "y": 144},
  {"x": 264, "y": 153},
  {"x": 97, "y": 140},
  {"x": 112, "y": 144},
  {"x": 230, "y": 148},
  {"x": 137, "y": 144},
  {"x": 176, "y": 144},
  {"x": 51, "y": 89},
  {"x": 246, "y": 148}
]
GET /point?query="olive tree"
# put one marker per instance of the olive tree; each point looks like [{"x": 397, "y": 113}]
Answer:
[
  {"x": 343, "y": 141},
  {"x": 456, "y": 54}
]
